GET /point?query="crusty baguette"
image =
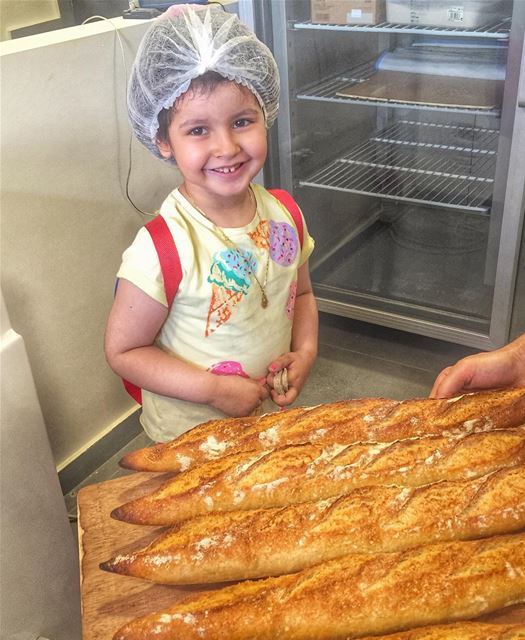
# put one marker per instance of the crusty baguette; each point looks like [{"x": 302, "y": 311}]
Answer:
[
  {"x": 271, "y": 542},
  {"x": 369, "y": 419},
  {"x": 459, "y": 631},
  {"x": 353, "y": 596},
  {"x": 307, "y": 472}
]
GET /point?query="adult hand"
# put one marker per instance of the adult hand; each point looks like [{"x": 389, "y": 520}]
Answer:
[{"x": 503, "y": 367}]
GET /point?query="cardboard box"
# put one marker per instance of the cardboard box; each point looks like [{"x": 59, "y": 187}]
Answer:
[
  {"x": 348, "y": 11},
  {"x": 466, "y": 14}
]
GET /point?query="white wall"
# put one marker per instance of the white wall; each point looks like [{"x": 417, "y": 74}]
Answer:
[{"x": 64, "y": 216}]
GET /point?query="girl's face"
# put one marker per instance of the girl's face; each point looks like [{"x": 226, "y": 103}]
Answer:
[{"x": 218, "y": 140}]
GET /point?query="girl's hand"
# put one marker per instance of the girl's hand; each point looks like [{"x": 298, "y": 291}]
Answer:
[
  {"x": 237, "y": 396},
  {"x": 298, "y": 365}
]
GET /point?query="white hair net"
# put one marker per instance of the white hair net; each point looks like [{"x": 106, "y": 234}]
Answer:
[{"x": 178, "y": 48}]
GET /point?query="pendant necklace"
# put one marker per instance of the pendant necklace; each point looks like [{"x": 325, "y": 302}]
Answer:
[{"x": 231, "y": 244}]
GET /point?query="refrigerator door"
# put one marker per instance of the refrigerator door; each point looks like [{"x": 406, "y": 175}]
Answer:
[{"x": 398, "y": 140}]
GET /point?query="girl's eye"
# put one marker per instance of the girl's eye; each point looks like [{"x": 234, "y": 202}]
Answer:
[
  {"x": 197, "y": 131},
  {"x": 242, "y": 122}
]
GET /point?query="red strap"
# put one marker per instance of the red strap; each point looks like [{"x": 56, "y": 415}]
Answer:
[
  {"x": 134, "y": 391},
  {"x": 171, "y": 274},
  {"x": 168, "y": 256},
  {"x": 293, "y": 209}
]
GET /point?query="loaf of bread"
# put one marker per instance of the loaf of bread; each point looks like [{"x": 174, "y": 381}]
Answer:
[
  {"x": 270, "y": 542},
  {"x": 301, "y": 473},
  {"x": 459, "y": 631},
  {"x": 372, "y": 419},
  {"x": 353, "y": 596}
]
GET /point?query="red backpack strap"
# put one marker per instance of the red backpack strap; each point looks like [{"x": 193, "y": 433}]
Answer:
[
  {"x": 168, "y": 256},
  {"x": 293, "y": 209},
  {"x": 171, "y": 274}
]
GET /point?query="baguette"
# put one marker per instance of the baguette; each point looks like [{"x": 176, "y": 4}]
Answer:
[
  {"x": 353, "y": 596},
  {"x": 459, "y": 631},
  {"x": 369, "y": 419},
  {"x": 271, "y": 542},
  {"x": 308, "y": 472}
]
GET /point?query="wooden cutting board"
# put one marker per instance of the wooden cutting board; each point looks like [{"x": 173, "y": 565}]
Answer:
[{"x": 110, "y": 600}]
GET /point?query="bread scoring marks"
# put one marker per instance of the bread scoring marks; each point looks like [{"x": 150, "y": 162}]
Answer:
[
  {"x": 404, "y": 495},
  {"x": 269, "y": 486},
  {"x": 211, "y": 541},
  {"x": 241, "y": 468},
  {"x": 158, "y": 560},
  {"x": 167, "y": 618},
  {"x": 433, "y": 457},
  {"x": 343, "y": 472},
  {"x": 269, "y": 437},
  {"x": 212, "y": 448},
  {"x": 227, "y": 540},
  {"x": 483, "y": 604},
  {"x": 183, "y": 461},
  {"x": 513, "y": 572},
  {"x": 238, "y": 496},
  {"x": 206, "y": 543},
  {"x": 327, "y": 455},
  {"x": 187, "y": 618},
  {"x": 322, "y": 505},
  {"x": 476, "y": 425},
  {"x": 511, "y": 512}
]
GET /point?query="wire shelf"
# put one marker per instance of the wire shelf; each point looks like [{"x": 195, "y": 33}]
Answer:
[
  {"x": 499, "y": 30},
  {"x": 328, "y": 90},
  {"x": 450, "y": 166}
]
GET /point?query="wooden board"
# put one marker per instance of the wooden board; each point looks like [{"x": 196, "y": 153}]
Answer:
[
  {"x": 417, "y": 88},
  {"x": 110, "y": 600}
]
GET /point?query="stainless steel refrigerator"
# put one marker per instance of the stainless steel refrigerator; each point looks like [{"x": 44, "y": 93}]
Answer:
[{"x": 404, "y": 144}]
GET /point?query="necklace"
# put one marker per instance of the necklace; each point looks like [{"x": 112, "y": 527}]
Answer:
[{"x": 230, "y": 243}]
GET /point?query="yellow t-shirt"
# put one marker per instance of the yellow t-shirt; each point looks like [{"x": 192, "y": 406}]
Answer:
[{"x": 217, "y": 321}]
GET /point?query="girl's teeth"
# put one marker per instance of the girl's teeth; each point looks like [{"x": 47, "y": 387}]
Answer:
[{"x": 227, "y": 170}]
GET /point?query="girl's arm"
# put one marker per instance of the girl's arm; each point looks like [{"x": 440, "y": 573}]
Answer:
[
  {"x": 303, "y": 352},
  {"x": 134, "y": 322},
  {"x": 306, "y": 318}
]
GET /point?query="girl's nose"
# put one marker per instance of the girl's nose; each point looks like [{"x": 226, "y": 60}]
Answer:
[{"x": 226, "y": 144}]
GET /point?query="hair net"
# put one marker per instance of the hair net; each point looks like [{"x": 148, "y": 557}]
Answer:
[{"x": 178, "y": 48}]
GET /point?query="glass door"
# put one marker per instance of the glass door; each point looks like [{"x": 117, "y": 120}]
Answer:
[{"x": 394, "y": 137}]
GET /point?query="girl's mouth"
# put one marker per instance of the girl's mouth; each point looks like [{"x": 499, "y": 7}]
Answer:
[{"x": 228, "y": 170}]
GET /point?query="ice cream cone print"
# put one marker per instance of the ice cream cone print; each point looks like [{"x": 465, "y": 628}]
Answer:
[
  {"x": 260, "y": 237},
  {"x": 221, "y": 305}
]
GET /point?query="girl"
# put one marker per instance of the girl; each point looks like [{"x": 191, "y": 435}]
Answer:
[{"x": 202, "y": 93}]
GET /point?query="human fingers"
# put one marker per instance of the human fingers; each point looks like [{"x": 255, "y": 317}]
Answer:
[
  {"x": 279, "y": 363},
  {"x": 438, "y": 382},
  {"x": 457, "y": 379},
  {"x": 284, "y": 399}
]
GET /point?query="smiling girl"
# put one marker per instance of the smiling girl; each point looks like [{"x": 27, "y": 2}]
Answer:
[{"x": 203, "y": 92}]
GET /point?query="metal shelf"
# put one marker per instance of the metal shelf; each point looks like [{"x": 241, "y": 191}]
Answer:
[
  {"x": 327, "y": 90},
  {"x": 449, "y": 166},
  {"x": 499, "y": 30}
]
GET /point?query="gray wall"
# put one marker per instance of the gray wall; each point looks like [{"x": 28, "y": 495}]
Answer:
[{"x": 65, "y": 219}]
